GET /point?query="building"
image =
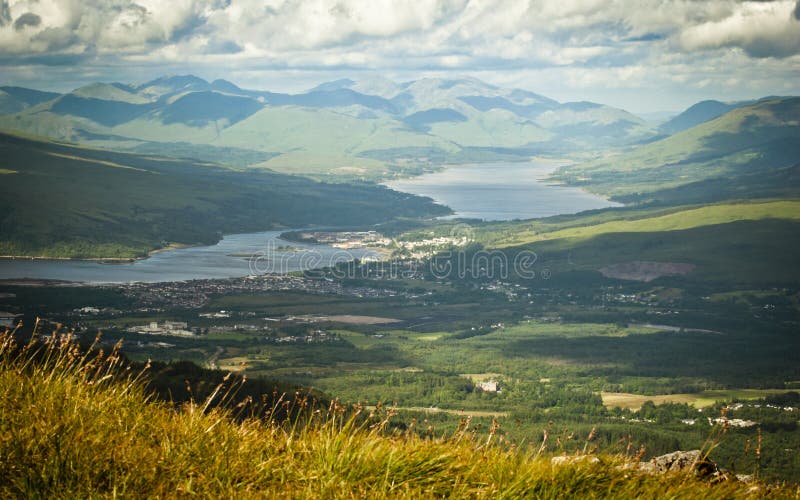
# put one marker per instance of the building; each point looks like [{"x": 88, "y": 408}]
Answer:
[{"x": 489, "y": 386}]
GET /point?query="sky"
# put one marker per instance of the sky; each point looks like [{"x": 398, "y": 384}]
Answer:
[{"x": 642, "y": 55}]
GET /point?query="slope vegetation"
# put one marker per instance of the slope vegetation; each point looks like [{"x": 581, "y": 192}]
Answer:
[
  {"x": 78, "y": 202},
  {"x": 755, "y": 147},
  {"x": 74, "y": 427}
]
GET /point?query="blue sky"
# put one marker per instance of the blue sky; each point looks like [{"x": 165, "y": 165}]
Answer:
[{"x": 645, "y": 56}]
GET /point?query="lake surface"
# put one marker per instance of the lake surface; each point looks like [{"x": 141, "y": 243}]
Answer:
[
  {"x": 501, "y": 191},
  {"x": 235, "y": 255},
  {"x": 493, "y": 191}
]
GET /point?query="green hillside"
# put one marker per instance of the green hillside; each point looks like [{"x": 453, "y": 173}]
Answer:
[
  {"x": 748, "y": 146},
  {"x": 653, "y": 221},
  {"x": 323, "y": 141},
  {"x": 78, "y": 202},
  {"x": 729, "y": 245},
  {"x": 343, "y": 130},
  {"x": 78, "y": 427}
]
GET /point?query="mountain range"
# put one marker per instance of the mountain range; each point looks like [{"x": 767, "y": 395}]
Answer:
[{"x": 369, "y": 129}]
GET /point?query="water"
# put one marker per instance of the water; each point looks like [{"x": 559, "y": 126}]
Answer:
[
  {"x": 235, "y": 255},
  {"x": 494, "y": 191},
  {"x": 501, "y": 191}
]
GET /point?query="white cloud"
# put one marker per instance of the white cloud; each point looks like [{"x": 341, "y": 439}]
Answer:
[
  {"x": 761, "y": 29},
  {"x": 575, "y": 45}
]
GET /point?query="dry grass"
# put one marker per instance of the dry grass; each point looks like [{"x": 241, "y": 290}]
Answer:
[{"x": 79, "y": 425}]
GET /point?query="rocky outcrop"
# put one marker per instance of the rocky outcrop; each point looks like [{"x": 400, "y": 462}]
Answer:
[{"x": 680, "y": 461}]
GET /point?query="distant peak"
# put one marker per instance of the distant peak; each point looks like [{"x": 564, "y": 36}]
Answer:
[
  {"x": 343, "y": 83},
  {"x": 224, "y": 85},
  {"x": 177, "y": 81}
]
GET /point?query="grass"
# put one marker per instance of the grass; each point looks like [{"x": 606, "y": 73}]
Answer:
[
  {"x": 688, "y": 218},
  {"x": 742, "y": 244},
  {"x": 699, "y": 399},
  {"x": 74, "y": 423}
]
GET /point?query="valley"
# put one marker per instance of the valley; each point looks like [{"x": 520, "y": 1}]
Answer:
[{"x": 641, "y": 291}]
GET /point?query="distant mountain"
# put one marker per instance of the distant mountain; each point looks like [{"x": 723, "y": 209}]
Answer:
[
  {"x": 751, "y": 151},
  {"x": 15, "y": 99},
  {"x": 202, "y": 108},
  {"x": 332, "y": 98},
  {"x": 169, "y": 85},
  {"x": 102, "y": 111},
  {"x": 111, "y": 92},
  {"x": 345, "y": 128},
  {"x": 422, "y": 119},
  {"x": 702, "y": 112},
  {"x": 696, "y": 114}
]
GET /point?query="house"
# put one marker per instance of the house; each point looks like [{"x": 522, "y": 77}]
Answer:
[
  {"x": 489, "y": 386},
  {"x": 175, "y": 325}
]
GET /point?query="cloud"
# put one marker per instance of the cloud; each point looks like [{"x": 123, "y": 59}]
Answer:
[
  {"x": 761, "y": 29},
  {"x": 5, "y": 13},
  {"x": 550, "y": 31},
  {"x": 216, "y": 46},
  {"x": 622, "y": 43},
  {"x": 27, "y": 19}
]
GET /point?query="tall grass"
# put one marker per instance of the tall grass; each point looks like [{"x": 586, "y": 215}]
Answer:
[{"x": 77, "y": 423}]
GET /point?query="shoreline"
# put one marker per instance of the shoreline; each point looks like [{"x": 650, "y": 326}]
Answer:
[{"x": 110, "y": 260}]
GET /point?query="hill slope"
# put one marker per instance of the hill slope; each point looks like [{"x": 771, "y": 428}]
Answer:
[
  {"x": 750, "y": 151},
  {"x": 696, "y": 114},
  {"x": 77, "y": 202},
  {"x": 74, "y": 431}
]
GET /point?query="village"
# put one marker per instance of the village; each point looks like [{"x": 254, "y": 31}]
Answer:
[{"x": 195, "y": 294}]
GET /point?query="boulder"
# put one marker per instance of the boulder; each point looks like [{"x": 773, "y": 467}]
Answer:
[{"x": 681, "y": 461}]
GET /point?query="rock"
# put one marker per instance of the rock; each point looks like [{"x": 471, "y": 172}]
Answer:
[{"x": 680, "y": 461}]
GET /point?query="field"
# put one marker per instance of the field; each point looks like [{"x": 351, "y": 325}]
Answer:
[
  {"x": 633, "y": 319},
  {"x": 556, "y": 370},
  {"x": 698, "y": 400}
]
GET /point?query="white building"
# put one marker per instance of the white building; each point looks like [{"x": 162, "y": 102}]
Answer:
[{"x": 489, "y": 386}]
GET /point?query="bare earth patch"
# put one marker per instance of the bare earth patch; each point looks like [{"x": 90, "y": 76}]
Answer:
[
  {"x": 639, "y": 270},
  {"x": 358, "y": 320}
]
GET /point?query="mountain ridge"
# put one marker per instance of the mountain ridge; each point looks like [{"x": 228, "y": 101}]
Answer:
[{"x": 480, "y": 115}]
